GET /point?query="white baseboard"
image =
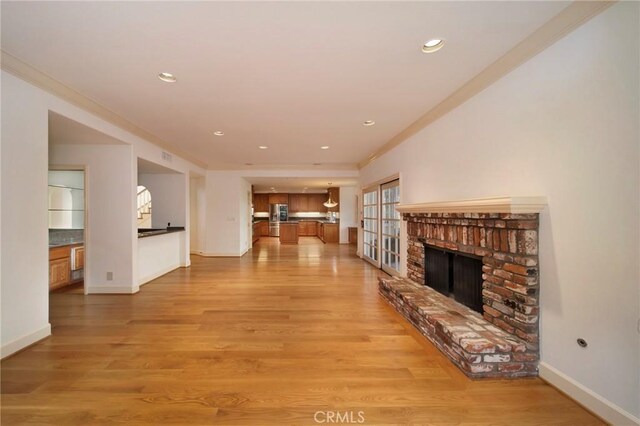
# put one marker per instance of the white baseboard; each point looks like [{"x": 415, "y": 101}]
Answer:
[
  {"x": 24, "y": 341},
  {"x": 112, "y": 289},
  {"x": 218, "y": 254},
  {"x": 602, "y": 407},
  {"x": 158, "y": 274}
]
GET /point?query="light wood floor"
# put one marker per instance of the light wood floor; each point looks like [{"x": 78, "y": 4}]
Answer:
[{"x": 270, "y": 338}]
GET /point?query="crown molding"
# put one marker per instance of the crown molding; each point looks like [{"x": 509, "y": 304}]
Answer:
[
  {"x": 28, "y": 73},
  {"x": 574, "y": 15},
  {"x": 479, "y": 205}
]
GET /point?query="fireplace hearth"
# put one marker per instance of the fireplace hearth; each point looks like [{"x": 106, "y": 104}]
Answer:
[
  {"x": 456, "y": 275},
  {"x": 472, "y": 285}
]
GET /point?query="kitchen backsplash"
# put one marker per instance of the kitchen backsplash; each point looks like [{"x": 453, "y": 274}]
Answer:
[{"x": 62, "y": 236}]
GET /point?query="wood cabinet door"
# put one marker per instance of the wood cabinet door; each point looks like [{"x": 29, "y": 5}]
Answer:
[
  {"x": 298, "y": 203},
  {"x": 59, "y": 272},
  {"x": 331, "y": 233},
  {"x": 79, "y": 258},
  {"x": 261, "y": 203},
  {"x": 264, "y": 229},
  {"x": 303, "y": 202},
  {"x": 316, "y": 203},
  {"x": 278, "y": 198},
  {"x": 353, "y": 235}
]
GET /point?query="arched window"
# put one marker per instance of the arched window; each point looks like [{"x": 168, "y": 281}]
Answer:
[{"x": 144, "y": 207}]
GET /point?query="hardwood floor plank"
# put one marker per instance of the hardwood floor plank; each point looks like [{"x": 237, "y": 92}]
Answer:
[{"x": 273, "y": 337}]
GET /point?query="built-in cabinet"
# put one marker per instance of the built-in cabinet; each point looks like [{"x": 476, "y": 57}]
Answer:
[
  {"x": 62, "y": 268},
  {"x": 261, "y": 203},
  {"x": 298, "y": 203},
  {"x": 288, "y": 233},
  {"x": 260, "y": 229},
  {"x": 278, "y": 199},
  {"x": 329, "y": 232},
  {"x": 307, "y": 229}
]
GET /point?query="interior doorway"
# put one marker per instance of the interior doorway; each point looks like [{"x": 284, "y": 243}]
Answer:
[{"x": 67, "y": 226}]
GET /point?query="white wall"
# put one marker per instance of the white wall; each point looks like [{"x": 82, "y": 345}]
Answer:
[
  {"x": 197, "y": 209},
  {"x": 246, "y": 221},
  {"x": 228, "y": 214},
  {"x": 158, "y": 255},
  {"x": 168, "y": 198},
  {"x": 224, "y": 193},
  {"x": 24, "y": 227},
  {"x": 564, "y": 125},
  {"x": 348, "y": 211},
  {"x": 110, "y": 228}
]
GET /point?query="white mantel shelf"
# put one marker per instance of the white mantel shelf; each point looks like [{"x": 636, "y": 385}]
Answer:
[{"x": 479, "y": 205}]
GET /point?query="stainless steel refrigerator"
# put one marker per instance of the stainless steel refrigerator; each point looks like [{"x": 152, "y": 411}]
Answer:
[{"x": 277, "y": 213}]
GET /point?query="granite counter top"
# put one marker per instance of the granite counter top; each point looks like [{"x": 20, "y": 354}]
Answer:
[
  {"x": 68, "y": 243},
  {"x": 143, "y": 233}
]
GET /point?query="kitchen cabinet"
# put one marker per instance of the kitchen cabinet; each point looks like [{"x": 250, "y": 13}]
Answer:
[
  {"x": 307, "y": 229},
  {"x": 63, "y": 270},
  {"x": 353, "y": 235},
  {"x": 278, "y": 199},
  {"x": 320, "y": 230},
  {"x": 264, "y": 228},
  {"x": 331, "y": 233},
  {"x": 316, "y": 201},
  {"x": 298, "y": 203},
  {"x": 59, "y": 273},
  {"x": 288, "y": 233},
  {"x": 256, "y": 232},
  {"x": 261, "y": 203},
  {"x": 78, "y": 255}
]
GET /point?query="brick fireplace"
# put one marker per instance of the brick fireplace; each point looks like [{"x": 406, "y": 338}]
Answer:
[{"x": 502, "y": 340}]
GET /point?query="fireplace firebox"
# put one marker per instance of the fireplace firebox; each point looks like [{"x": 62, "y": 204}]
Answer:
[{"x": 454, "y": 274}]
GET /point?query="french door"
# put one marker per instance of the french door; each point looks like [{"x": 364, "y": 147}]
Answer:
[
  {"x": 390, "y": 230},
  {"x": 381, "y": 226},
  {"x": 370, "y": 225}
]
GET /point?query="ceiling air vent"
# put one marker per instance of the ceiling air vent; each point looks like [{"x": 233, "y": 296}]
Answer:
[{"x": 166, "y": 156}]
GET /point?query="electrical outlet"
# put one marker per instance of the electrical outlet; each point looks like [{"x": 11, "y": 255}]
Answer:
[{"x": 109, "y": 276}]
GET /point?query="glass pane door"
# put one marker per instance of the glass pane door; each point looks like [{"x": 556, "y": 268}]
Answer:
[
  {"x": 390, "y": 227},
  {"x": 370, "y": 218}
]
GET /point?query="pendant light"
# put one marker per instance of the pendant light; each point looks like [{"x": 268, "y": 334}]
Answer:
[{"x": 329, "y": 203}]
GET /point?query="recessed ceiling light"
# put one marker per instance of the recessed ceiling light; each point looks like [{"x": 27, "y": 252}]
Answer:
[
  {"x": 167, "y": 77},
  {"x": 324, "y": 147},
  {"x": 272, "y": 187},
  {"x": 218, "y": 133},
  {"x": 433, "y": 45},
  {"x": 248, "y": 164},
  {"x": 369, "y": 123},
  {"x": 263, "y": 147}
]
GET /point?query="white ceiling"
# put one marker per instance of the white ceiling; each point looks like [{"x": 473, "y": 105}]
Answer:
[{"x": 289, "y": 75}]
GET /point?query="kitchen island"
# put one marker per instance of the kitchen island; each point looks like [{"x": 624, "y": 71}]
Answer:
[
  {"x": 160, "y": 251},
  {"x": 289, "y": 232}
]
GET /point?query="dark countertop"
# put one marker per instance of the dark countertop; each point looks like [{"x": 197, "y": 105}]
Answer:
[
  {"x": 143, "y": 233},
  {"x": 66, "y": 243},
  {"x": 318, "y": 220}
]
